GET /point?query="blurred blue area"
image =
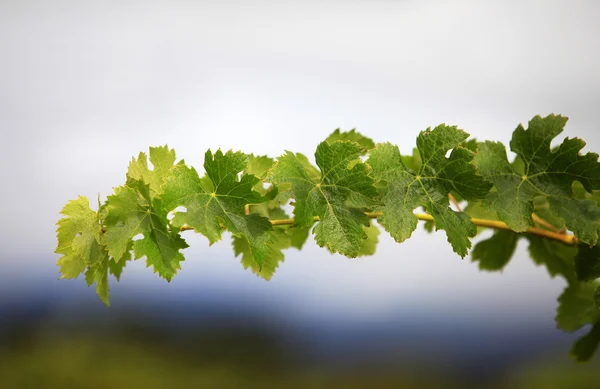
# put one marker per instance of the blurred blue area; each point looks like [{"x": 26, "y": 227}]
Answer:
[{"x": 41, "y": 317}]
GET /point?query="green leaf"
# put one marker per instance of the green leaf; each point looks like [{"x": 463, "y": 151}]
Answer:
[
  {"x": 98, "y": 273},
  {"x": 576, "y": 307},
  {"x": 597, "y": 297},
  {"x": 132, "y": 211},
  {"x": 116, "y": 267},
  {"x": 579, "y": 192},
  {"x": 297, "y": 235},
  {"x": 283, "y": 237},
  {"x": 546, "y": 173},
  {"x": 311, "y": 171},
  {"x": 353, "y": 136},
  {"x": 475, "y": 210},
  {"x": 339, "y": 197},
  {"x": 222, "y": 203},
  {"x": 587, "y": 262},
  {"x": 273, "y": 254},
  {"x": 495, "y": 253},
  {"x": 429, "y": 226},
  {"x": 541, "y": 207},
  {"x": 259, "y": 165},
  {"x": 370, "y": 244},
  {"x": 470, "y": 144},
  {"x": 555, "y": 256},
  {"x": 412, "y": 161},
  {"x": 585, "y": 347},
  {"x": 429, "y": 186},
  {"x": 78, "y": 236},
  {"x": 162, "y": 159}
]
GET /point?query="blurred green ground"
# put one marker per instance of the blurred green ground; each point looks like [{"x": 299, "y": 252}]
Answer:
[{"x": 131, "y": 357}]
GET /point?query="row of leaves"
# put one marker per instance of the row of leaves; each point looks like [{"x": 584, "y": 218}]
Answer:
[{"x": 354, "y": 181}]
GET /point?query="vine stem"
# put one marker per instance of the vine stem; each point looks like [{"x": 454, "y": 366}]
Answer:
[
  {"x": 496, "y": 224},
  {"x": 544, "y": 223},
  {"x": 454, "y": 202}
]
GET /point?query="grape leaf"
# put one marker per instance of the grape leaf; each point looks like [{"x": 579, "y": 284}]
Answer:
[
  {"x": 98, "y": 273},
  {"x": 272, "y": 210},
  {"x": 272, "y": 255},
  {"x": 412, "y": 161},
  {"x": 576, "y": 307},
  {"x": 429, "y": 226},
  {"x": 338, "y": 197},
  {"x": 116, "y": 267},
  {"x": 311, "y": 171},
  {"x": 476, "y": 210},
  {"x": 132, "y": 211},
  {"x": 470, "y": 144},
  {"x": 297, "y": 235},
  {"x": 429, "y": 186},
  {"x": 545, "y": 173},
  {"x": 495, "y": 253},
  {"x": 220, "y": 199},
  {"x": 259, "y": 165},
  {"x": 541, "y": 208},
  {"x": 78, "y": 238},
  {"x": 162, "y": 159},
  {"x": 579, "y": 192},
  {"x": 585, "y": 347},
  {"x": 370, "y": 244},
  {"x": 283, "y": 237},
  {"x": 353, "y": 136},
  {"x": 587, "y": 262},
  {"x": 555, "y": 256}
]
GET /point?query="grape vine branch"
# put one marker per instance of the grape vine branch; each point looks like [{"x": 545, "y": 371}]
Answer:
[
  {"x": 547, "y": 196},
  {"x": 561, "y": 237}
]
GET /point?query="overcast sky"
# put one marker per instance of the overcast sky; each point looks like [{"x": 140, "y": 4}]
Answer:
[{"x": 84, "y": 86}]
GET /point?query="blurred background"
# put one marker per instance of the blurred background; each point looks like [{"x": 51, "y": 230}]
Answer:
[{"x": 84, "y": 86}]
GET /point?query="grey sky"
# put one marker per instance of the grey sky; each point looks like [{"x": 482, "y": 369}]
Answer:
[{"x": 84, "y": 86}]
